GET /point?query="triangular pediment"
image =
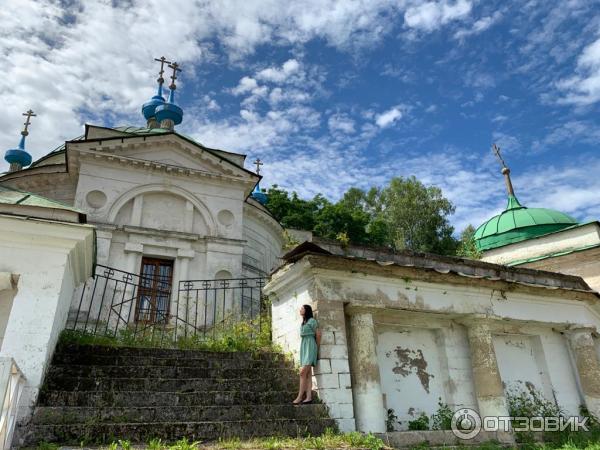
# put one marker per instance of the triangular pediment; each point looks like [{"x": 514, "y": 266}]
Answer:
[{"x": 168, "y": 149}]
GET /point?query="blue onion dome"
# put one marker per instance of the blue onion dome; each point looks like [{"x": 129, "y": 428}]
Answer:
[
  {"x": 149, "y": 108},
  {"x": 259, "y": 195},
  {"x": 169, "y": 111},
  {"x": 19, "y": 157}
]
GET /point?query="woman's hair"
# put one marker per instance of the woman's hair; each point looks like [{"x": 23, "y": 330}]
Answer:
[{"x": 308, "y": 313}]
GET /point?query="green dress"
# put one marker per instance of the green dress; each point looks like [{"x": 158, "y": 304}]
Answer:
[{"x": 308, "y": 346}]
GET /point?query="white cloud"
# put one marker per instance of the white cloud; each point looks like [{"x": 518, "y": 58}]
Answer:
[
  {"x": 388, "y": 117},
  {"x": 246, "y": 84},
  {"x": 341, "y": 123},
  {"x": 279, "y": 75},
  {"x": 584, "y": 87},
  {"x": 479, "y": 26},
  {"x": 430, "y": 16}
]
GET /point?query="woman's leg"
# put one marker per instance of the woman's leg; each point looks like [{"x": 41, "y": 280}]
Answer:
[
  {"x": 308, "y": 384},
  {"x": 302, "y": 387}
]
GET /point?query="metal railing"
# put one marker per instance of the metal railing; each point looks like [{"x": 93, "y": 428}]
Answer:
[
  {"x": 12, "y": 382},
  {"x": 119, "y": 304},
  {"x": 208, "y": 307}
]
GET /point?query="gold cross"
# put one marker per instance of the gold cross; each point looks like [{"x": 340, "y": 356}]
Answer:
[
  {"x": 258, "y": 163},
  {"x": 176, "y": 69},
  {"x": 29, "y": 114},
  {"x": 162, "y": 60}
]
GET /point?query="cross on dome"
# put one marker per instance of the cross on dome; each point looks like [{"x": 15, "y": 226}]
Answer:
[{"x": 258, "y": 163}]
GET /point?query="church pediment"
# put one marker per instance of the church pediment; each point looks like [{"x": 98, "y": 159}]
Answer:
[{"x": 168, "y": 151}]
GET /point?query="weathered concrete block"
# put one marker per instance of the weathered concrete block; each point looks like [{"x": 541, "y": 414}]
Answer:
[
  {"x": 328, "y": 381},
  {"x": 339, "y": 365},
  {"x": 340, "y": 337},
  {"x": 327, "y": 338},
  {"x": 323, "y": 366},
  {"x": 341, "y": 411},
  {"x": 344, "y": 380},
  {"x": 346, "y": 425},
  {"x": 333, "y": 351},
  {"x": 331, "y": 396}
]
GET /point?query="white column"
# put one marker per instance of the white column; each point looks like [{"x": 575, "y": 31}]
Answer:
[
  {"x": 369, "y": 411},
  {"x": 486, "y": 374},
  {"x": 582, "y": 345},
  {"x": 181, "y": 273}
]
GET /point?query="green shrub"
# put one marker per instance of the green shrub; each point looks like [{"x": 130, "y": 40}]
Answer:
[
  {"x": 442, "y": 419},
  {"x": 420, "y": 423}
]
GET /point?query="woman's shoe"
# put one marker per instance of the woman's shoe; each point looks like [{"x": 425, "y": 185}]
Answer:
[{"x": 306, "y": 402}]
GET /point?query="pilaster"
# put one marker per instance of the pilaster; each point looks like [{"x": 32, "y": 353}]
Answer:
[
  {"x": 581, "y": 341},
  {"x": 369, "y": 410}
]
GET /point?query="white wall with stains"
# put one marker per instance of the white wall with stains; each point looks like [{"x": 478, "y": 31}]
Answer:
[{"x": 426, "y": 350}]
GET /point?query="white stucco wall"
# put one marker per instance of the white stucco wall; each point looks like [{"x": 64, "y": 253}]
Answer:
[
  {"x": 545, "y": 245},
  {"x": 263, "y": 238},
  {"x": 40, "y": 306},
  {"x": 423, "y": 351}
]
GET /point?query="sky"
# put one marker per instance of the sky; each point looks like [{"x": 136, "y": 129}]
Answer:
[{"x": 332, "y": 94}]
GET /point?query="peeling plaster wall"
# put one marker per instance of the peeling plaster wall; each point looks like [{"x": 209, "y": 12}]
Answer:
[
  {"x": 413, "y": 368},
  {"x": 421, "y": 365},
  {"x": 539, "y": 361},
  {"x": 423, "y": 349}
]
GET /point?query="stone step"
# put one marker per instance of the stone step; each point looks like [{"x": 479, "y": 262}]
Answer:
[
  {"x": 180, "y": 371},
  {"x": 152, "y": 385},
  {"x": 141, "y": 398},
  {"x": 102, "y": 350},
  {"x": 205, "y": 361},
  {"x": 82, "y": 415},
  {"x": 100, "y": 433}
]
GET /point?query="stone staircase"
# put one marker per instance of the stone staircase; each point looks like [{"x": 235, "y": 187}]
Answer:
[{"x": 95, "y": 394}]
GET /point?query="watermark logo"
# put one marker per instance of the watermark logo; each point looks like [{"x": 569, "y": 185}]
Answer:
[{"x": 467, "y": 423}]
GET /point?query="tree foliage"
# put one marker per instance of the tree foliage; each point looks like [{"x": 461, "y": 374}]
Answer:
[
  {"x": 466, "y": 244},
  {"x": 405, "y": 214}
]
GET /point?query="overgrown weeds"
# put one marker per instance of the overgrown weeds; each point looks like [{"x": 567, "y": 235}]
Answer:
[{"x": 234, "y": 336}]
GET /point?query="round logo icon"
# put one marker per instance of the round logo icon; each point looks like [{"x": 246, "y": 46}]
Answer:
[{"x": 466, "y": 423}]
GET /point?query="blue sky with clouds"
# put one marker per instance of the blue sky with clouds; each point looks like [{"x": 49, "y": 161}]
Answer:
[{"x": 333, "y": 94}]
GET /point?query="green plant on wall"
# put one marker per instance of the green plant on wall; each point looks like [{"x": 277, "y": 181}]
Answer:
[
  {"x": 442, "y": 419},
  {"x": 420, "y": 423},
  {"x": 391, "y": 420}
]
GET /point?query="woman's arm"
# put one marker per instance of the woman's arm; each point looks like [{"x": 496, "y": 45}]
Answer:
[{"x": 318, "y": 336}]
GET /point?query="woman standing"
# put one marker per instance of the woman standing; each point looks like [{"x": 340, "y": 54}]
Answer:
[{"x": 309, "y": 349}]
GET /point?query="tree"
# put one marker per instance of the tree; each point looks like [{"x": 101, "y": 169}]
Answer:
[
  {"x": 466, "y": 244},
  {"x": 292, "y": 211},
  {"x": 403, "y": 214}
]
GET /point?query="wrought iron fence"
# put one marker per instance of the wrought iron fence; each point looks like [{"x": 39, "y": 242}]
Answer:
[{"x": 119, "y": 304}]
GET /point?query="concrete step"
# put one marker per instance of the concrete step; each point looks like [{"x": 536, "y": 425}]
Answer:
[
  {"x": 175, "y": 371},
  {"x": 171, "y": 431},
  {"x": 142, "y": 398},
  {"x": 201, "y": 360},
  {"x": 82, "y": 415},
  {"x": 69, "y": 350},
  {"x": 152, "y": 385}
]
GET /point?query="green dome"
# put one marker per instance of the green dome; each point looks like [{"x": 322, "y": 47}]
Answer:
[{"x": 519, "y": 223}]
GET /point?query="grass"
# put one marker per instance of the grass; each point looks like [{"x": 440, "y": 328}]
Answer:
[
  {"x": 329, "y": 440},
  {"x": 245, "y": 336}
]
